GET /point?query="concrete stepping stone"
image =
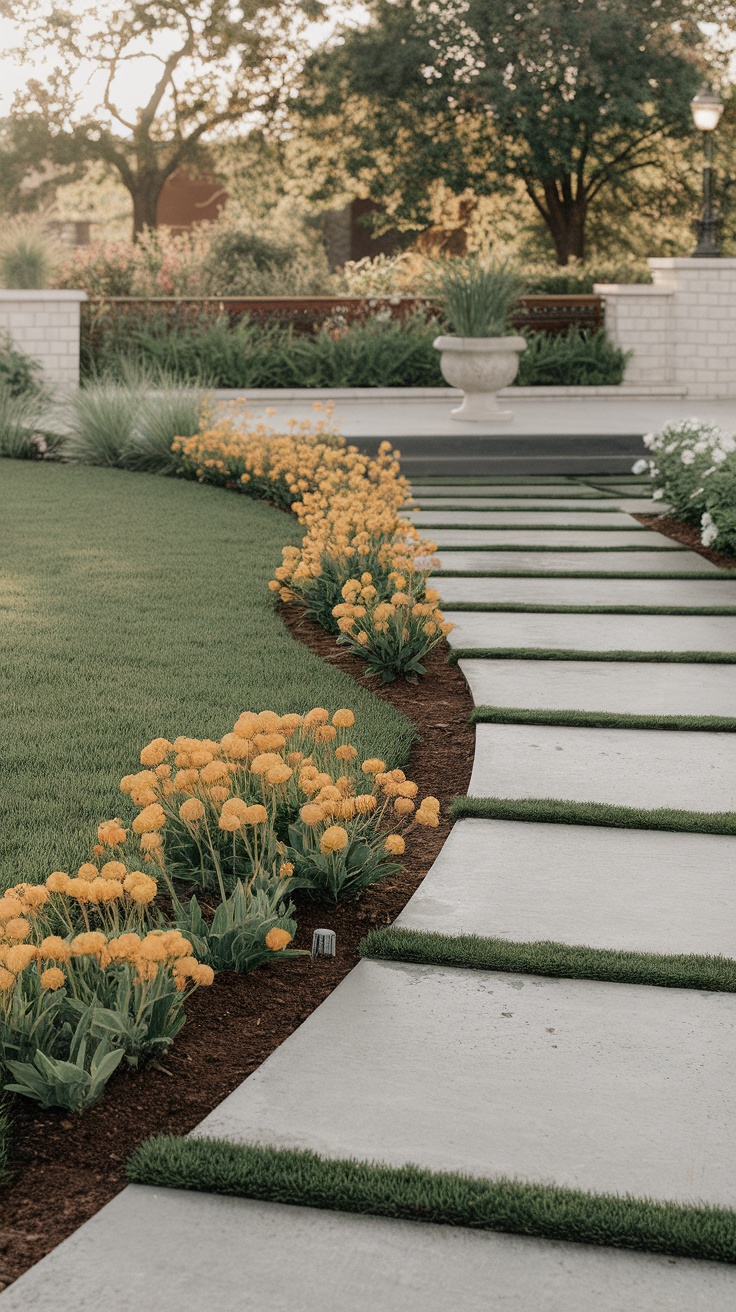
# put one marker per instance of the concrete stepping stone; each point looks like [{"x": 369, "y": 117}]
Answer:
[
  {"x": 606, "y": 1087},
  {"x": 613, "y": 540},
  {"x": 340, "y": 1263},
  {"x": 584, "y": 562},
  {"x": 588, "y": 592},
  {"x": 593, "y": 632},
  {"x": 647, "y": 768},
  {"x": 531, "y": 518},
  {"x": 519, "y": 504},
  {"x": 637, "y": 890},
  {"x": 616, "y": 687}
]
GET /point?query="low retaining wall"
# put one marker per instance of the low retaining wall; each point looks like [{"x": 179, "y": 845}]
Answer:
[
  {"x": 681, "y": 329},
  {"x": 45, "y": 325}
]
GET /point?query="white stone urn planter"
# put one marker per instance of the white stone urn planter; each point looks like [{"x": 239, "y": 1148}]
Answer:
[{"x": 480, "y": 366}]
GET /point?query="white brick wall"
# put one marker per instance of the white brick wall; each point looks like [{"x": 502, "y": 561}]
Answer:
[
  {"x": 45, "y": 324},
  {"x": 682, "y": 329}
]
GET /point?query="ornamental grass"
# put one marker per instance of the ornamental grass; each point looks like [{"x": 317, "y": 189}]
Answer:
[{"x": 361, "y": 570}]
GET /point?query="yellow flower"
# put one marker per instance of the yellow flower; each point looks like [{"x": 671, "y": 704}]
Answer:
[
  {"x": 7, "y": 979},
  {"x": 87, "y": 871},
  {"x": 54, "y": 948},
  {"x": 264, "y": 762},
  {"x": 78, "y": 888},
  {"x": 277, "y": 939},
  {"x": 152, "y": 842},
  {"x": 214, "y": 772},
  {"x": 343, "y": 719},
  {"x": 279, "y": 774},
  {"x": 111, "y": 832},
  {"x": 152, "y": 948},
  {"x": 346, "y": 752},
  {"x": 113, "y": 870},
  {"x": 151, "y": 817},
  {"x": 18, "y": 929},
  {"x": 10, "y": 907},
  {"x": 88, "y": 945},
  {"x": 312, "y": 814},
  {"x": 255, "y": 814},
  {"x": 373, "y": 766},
  {"x": 362, "y": 638},
  {"x": 192, "y": 810},
  {"x": 286, "y": 869},
  {"x": 141, "y": 890},
  {"x": 53, "y": 978},
  {"x": 315, "y": 717},
  {"x": 403, "y": 806},
  {"x": 203, "y": 975},
  {"x": 333, "y": 839},
  {"x": 21, "y": 956},
  {"x": 155, "y": 752},
  {"x": 394, "y": 844},
  {"x": 365, "y": 803}
]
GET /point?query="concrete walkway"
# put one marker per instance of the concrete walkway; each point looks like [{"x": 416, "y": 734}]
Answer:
[{"x": 581, "y": 1083}]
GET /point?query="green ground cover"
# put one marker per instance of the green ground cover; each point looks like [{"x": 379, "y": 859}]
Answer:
[
  {"x": 573, "y": 654},
  {"x": 285, "y": 1175},
  {"x": 553, "y": 810},
  {"x": 602, "y": 719},
  {"x": 131, "y": 607},
  {"x": 560, "y": 960}
]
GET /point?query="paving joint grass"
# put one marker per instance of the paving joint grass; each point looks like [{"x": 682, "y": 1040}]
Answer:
[
  {"x": 305, "y": 1179},
  {"x": 644, "y": 545},
  {"x": 572, "y": 654},
  {"x": 714, "y": 974},
  {"x": 575, "y": 574},
  {"x": 553, "y": 810},
  {"x": 558, "y": 609},
  {"x": 602, "y": 719}
]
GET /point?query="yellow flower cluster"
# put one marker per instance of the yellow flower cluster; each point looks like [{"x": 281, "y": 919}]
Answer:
[
  {"x": 224, "y": 798},
  {"x": 401, "y": 625},
  {"x": 56, "y": 959}
]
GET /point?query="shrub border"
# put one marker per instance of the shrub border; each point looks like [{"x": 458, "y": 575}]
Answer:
[
  {"x": 715, "y": 974},
  {"x": 555, "y": 810},
  {"x": 484, "y": 714},
  {"x": 306, "y": 1179}
]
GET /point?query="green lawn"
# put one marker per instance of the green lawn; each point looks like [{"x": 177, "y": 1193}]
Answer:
[{"x": 130, "y": 607}]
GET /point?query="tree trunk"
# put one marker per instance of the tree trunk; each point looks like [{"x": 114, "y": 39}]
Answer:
[
  {"x": 145, "y": 193},
  {"x": 565, "y": 215}
]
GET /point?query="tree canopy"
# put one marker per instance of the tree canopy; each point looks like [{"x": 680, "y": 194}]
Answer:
[
  {"x": 570, "y": 97},
  {"x": 201, "y": 65}
]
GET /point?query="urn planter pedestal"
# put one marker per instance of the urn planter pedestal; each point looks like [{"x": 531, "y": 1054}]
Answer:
[{"x": 480, "y": 367}]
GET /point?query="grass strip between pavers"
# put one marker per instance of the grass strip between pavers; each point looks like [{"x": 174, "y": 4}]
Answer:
[
  {"x": 572, "y": 654},
  {"x": 537, "y": 528},
  {"x": 559, "y": 960},
  {"x": 305, "y": 1179},
  {"x": 725, "y": 577},
  {"x": 530, "y": 608},
  {"x": 546, "y": 528},
  {"x": 602, "y": 719},
  {"x": 556, "y": 810}
]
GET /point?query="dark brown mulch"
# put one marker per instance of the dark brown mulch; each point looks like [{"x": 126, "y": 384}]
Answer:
[
  {"x": 688, "y": 534},
  {"x": 66, "y": 1167}
]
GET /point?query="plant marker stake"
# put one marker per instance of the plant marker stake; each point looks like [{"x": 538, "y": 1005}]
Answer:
[{"x": 324, "y": 942}]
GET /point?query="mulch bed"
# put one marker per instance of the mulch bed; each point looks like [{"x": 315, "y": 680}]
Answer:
[
  {"x": 688, "y": 534},
  {"x": 67, "y": 1167}
]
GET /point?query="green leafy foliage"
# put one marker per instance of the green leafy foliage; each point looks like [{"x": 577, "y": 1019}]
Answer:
[
  {"x": 571, "y": 359},
  {"x": 333, "y": 877},
  {"x": 478, "y": 295},
  {"x": 235, "y": 937},
  {"x": 74, "y": 1082},
  {"x": 131, "y": 423},
  {"x": 693, "y": 467}
]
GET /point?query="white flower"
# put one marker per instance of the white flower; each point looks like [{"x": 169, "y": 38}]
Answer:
[
  {"x": 719, "y": 455},
  {"x": 687, "y": 457},
  {"x": 649, "y": 439},
  {"x": 709, "y": 530},
  {"x": 728, "y": 444},
  {"x": 640, "y": 467},
  {"x": 657, "y": 494}
]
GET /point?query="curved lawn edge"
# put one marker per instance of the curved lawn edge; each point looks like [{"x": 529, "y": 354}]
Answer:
[
  {"x": 714, "y": 974},
  {"x": 306, "y": 1179},
  {"x": 554, "y": 810}
]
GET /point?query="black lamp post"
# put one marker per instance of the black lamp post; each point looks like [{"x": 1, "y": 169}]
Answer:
[{"x": 707, "y": 108}]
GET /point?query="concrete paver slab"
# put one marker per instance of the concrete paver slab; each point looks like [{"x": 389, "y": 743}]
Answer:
[
  {"x": 293, "y": 1259},
  {"x": 532, "y": 518},
  {"x": 616, "y": 687},
  {"x": 622, "y": 767},
  {"x": 613, "y": 540},
  {"x": 601, "y": 562},
  {"x": 588, "y": 592},
  {"x": 593, "y": 632},
  {"x": 633, "y": 889},
  {"x": 608, "y": 1087}
]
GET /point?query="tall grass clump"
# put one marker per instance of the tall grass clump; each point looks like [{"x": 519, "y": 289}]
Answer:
[
  {"x": 29, "y": 254},
  {"x": 132, "y": 424},
  {"x": 571, "y": 359},
  {"x": 478, "y": 295}
]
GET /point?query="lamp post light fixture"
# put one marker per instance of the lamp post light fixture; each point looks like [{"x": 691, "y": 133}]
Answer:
[{"x": 707, "y": 108}]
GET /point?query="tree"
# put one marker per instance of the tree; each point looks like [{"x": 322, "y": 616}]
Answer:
[
  {"x": 215, "y": 63},
  {"x": 571, "y": 97}
]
